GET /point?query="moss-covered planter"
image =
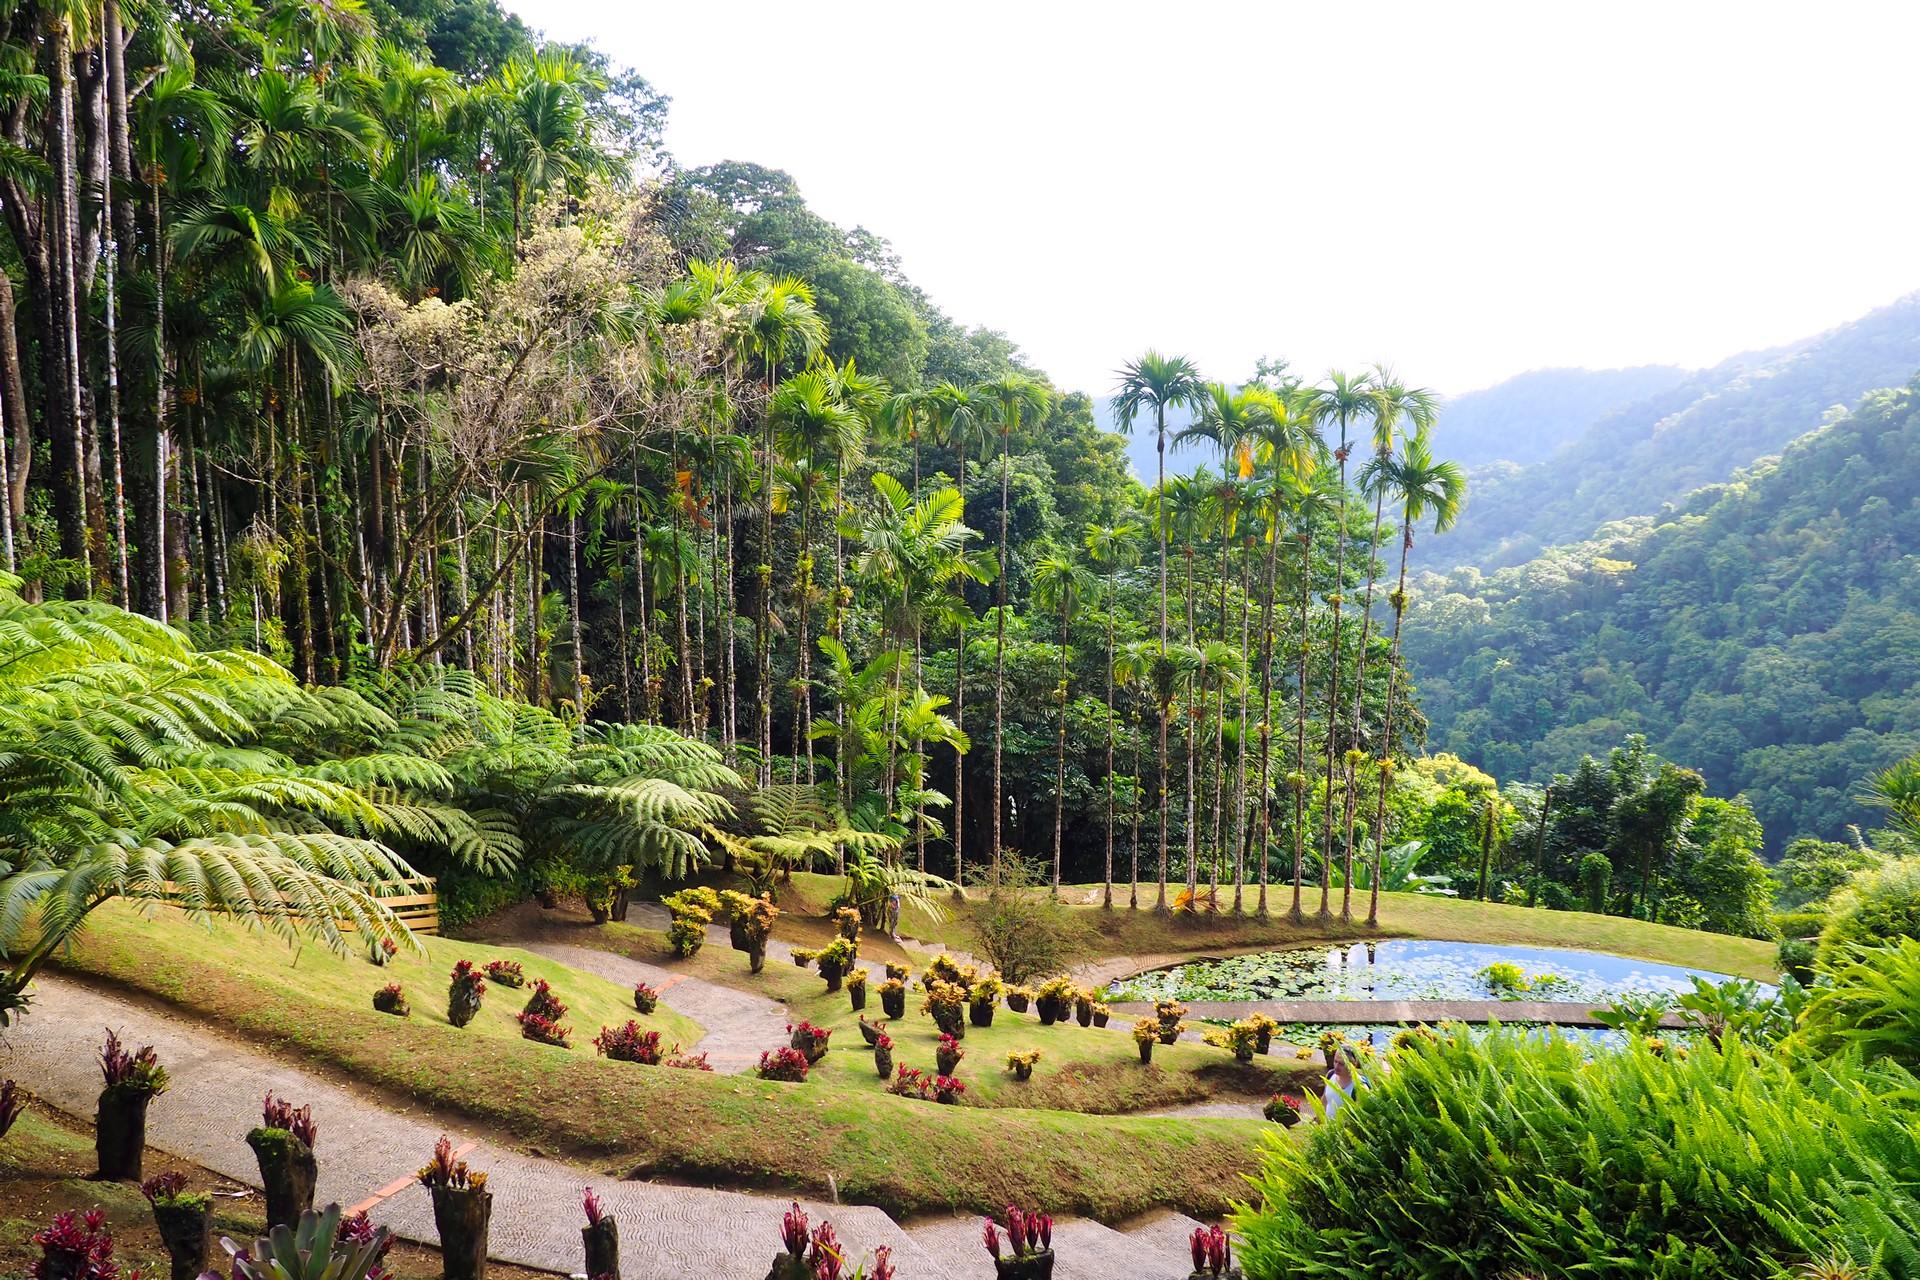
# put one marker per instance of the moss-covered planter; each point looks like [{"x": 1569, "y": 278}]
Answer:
[
  {"x": 894, "y": 1003},
  {"x": 980, "y": 1012},
  {"x": 120, "y": 1133},
  {"x": 1146, "y": 1051},
  {"x": 1035, "y": 1266},
  {"x": 461, "y": 1216},
  {"x": 756, "y": 958},
  {"x": 1083, "y": 1014},
  {"x": 790, "y": 1266},
  {"x": 601, "y": 1241},
  {"x": 871, "y": 1032},
  {"x": 1018, "y": 1001},
  {"x": 1050, "y": 1008},
  {"x": 1100, "y": 1017},
  {"x": 857, "y": 995},
  {"x": 1023, "y": 1071},
  {"x": 185, "y": 1226},
  {"x": 883, "y": 1062},
  {"x": 833, "y": 972},
  {"x": 287, "y": 1172}
]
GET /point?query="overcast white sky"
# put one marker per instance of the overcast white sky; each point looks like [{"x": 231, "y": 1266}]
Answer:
[{"x": 1465, "y": 190}]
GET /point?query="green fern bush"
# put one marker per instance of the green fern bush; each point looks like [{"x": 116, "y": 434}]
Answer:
[{"x": 1518, "y": 1155}]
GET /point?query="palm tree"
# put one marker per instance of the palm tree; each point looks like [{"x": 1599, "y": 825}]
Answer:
[
  {"x": 1008, "y": 398},
  {"x": 813, "y": 427},
  {"x": 779, "y": 323},
  {"x": 1393, "y": 402},
  {"x": 1222, "y": 669},
  {"x": 1061, "y": 585},
  {"x": 956, "y": 419},
  {"x": 1426, "y": 490},
  {"x": 1132, "y": 666},
  {"x": 1111, "y": 548},
  {"x": 1345, "y": 400}
]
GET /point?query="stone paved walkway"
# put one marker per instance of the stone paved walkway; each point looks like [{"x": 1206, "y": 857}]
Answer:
[
  {"x": 665, "y": 1231},
  {"x": 1390, "y": 1012}
]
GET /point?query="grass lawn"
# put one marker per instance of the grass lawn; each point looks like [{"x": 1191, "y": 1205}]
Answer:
[
  {"x": 1088, "y": 1069},
  {"x": 825, "y": 1136},
  {"x": 44, "y": 1163},
  {"x": 1144, "y": 933}
]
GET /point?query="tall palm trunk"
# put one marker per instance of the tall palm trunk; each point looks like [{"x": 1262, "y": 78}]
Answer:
[
  {"x": 1060, "y": 761},
  {"x": 1264, "y": 827},
  {"x": 1160, "y": 531},
  {"x": 1196, "y": 732},
  {"x": 1386, "y": 728},
  {"x": 1240, "y": 747},
  {"x": 1334, "y": 665},
  {"x": 803, "y": 712},
  {"x": 1106, "y": 891},
  {"x": 1000, "y": 646},
  {"x": 1300, "y": 727},
  {"x": 1360, "y": 682},
  {"x": 960, "y": 700}
]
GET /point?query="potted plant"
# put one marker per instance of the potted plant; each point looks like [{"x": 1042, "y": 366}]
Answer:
[
  {"x": 785, "y": 1063},
  {"x": 893, "y": 998},
  {"x": 1282, "y": 1109},
  {"x": 857, "y": 989},
  {"x": 1212, "y": 1256},
  {"x": 462, "y": 1208},
  {"x": 464, "y": 993},
  {"x": 1029, "y": 1253},
  {"x": 1263, "y": 1029},
  {"x": 883, "y": 1056},
  {"x": 802, "y": 956},
  {"x": 1101, "y": 1014},
  {"x": 1083, "y": 1006},
  {"x": 791, "y": 1262},
  {"x": 871, "y": 1031},
  {"x": 506, "y": 973},
  {"x": 382, "y": 951},
  {"x": 1053, "y": 1000},
  {"x": 120, "y": 1125},
  {"x": 645, "y": 998},
  {"x": 947, "y": 1003},
  {"x": 184, "y": 1220},
  {"x": 392, "y": 999},
  {"x": 947, "y": 1055},
  {"x": 846, "y": 922},
  {"x": 1021, "y": 1061},
  {"x": 749, "y": 925},
  {"x": 946, "y": 1090},
  {"x": 834, "y": 960},
  {"x": 692, "y": 911},
  {"x": 810, "y": 1040},
  {"x": 629, "y": 1044},
  {"x": 1331, "y": 1043},
  {"x": 1168, "y": 1013},
  {"x": 540, "y": 1020},
  {"x": 320, "y": 1244},
  {"x": 283, "y": 1147},
  {"x": 982, "y": 997},
  {"x": 600, "y": 1238},
  {"x": 1146, "y": 1033},
  {"x": 898, "y": 972},
  {"x": 819, "y": 1255},
  {"x": 1018, "y": 998}
]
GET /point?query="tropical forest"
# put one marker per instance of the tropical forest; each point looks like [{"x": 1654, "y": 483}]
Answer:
[{"x": 547, "y": 686}]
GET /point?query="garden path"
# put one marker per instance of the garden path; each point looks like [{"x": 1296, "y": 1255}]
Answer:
[{"x": 368, "y": 1153}]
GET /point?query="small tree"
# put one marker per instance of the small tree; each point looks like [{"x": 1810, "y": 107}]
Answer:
[
  {"x": 1018, "y": 926},
  {"x": 1596, "y": 878}
]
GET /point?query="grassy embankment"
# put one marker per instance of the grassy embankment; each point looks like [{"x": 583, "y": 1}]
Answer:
[
  {"x": 44, "y": 1166},
  {"x": 1157, "y": 938},
  {"x": 835, "y": 1132}
]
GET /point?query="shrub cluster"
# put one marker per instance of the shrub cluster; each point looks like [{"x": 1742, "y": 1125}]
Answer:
[
  {"x": 629, "y": 1044},
  {"x": 392, "y": 998},
  {"x": 506, "y": 972},
  {"x": 785, "y": 1063},
  {"x": 911, "y": 1082}
]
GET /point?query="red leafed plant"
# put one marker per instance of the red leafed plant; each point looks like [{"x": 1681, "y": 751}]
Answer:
[
  {"x": 162, "y": 1187},
  {"x": 465, "y": 976},
  {"x": 545, "y": 1003},
  {"x": 358, "y": 1229},
  {"x": 785, "y": 1063},
  {"x": 882, "y": 1268},
  {"x": 76, "y": 1247},
  {"x": 1211, "y": 1253},
  {"x": 688, "y": 1061},
  {"x": 793, "y": 1230},
  {"x": 824, "y": 1253},
  {"x": 125, "y": 1072},
  {"x": 629, "y": 1044},
  {"x": 506, "y": 972},
  {"x": 946, "y": 1089},
  {"x": 391, "y": 998},
  {"x": 947, "y": 1054},
  {"x": 12, "y": 1102},
  {"x": 538, "y": 1027},
  {"x": 591, "y": 1206},
  {"x": 1027, "y": 1233},
  {"x": 278, "y": 1113},
  {"x": 645, "y": 998}
]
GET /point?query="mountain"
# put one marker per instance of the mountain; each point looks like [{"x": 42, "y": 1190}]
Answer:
[
  {"x": 1658, "y": 449},
  {"x": 1182, "y": 459},
  {"x": 1528, "y": 416},
  {"x": 1765, "y": 631}
]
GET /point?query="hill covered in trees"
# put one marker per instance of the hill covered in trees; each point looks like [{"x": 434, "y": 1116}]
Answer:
[
  {"x": 1765, "y": 631},
  {"x": 1527, "y": 417},
  {"x": 1697, "y": 432}
]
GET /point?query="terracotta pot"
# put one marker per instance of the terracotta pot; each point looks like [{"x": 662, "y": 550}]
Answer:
[
  {"x": 461, "y": 1217},
  {"x": 601, "y": 1241},
  {"x": 287, "y": 1172}
]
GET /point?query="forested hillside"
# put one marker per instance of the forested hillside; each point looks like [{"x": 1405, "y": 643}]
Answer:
[
  {"x": 1765, "y": 632},
  {"x": 1527, "y": 417},
  {"x": 1696, "y": 433}
]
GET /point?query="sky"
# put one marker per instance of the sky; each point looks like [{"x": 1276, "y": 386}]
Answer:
[{"x": 1461, "y": 190}]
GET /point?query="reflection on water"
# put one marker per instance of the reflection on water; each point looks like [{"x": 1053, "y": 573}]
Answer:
[{"x": 1407, "y": 970}]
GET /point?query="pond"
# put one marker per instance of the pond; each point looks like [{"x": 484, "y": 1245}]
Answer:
[{"x": 1399, "y": 969}]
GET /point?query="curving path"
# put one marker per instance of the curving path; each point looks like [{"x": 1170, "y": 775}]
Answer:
[
  {"x": 1390, "y": 1012},
  {"x": 368, "y": 1153}
]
